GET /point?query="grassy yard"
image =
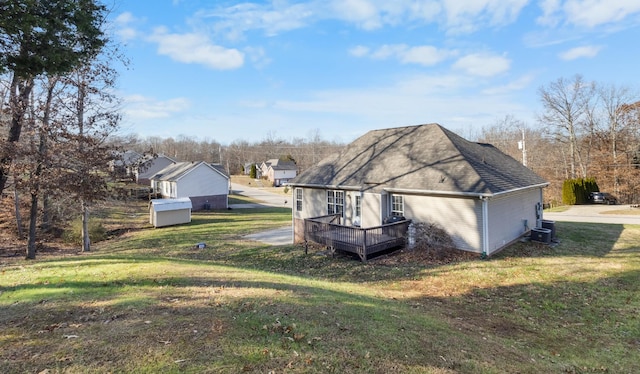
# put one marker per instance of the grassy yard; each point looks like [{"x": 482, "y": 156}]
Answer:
[{"x": 147, "y": 301}]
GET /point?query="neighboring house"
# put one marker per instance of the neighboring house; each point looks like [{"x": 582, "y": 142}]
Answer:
[
  {"x": 247, "y": 169},
  {"x": 124, "y": 162},
  {"x": 169, "y": 212},
  {"x": 150, "y": 166},
  {"x": 483, "y": 198},
  {"x": 278, "y": 171},
  {"x": 207, "y": 185}
]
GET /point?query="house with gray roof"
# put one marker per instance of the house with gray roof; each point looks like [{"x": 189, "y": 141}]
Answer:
[
  {"x": 482, "y": 197},
  {"x": 278, "y": 171},
  {"x": 207, "y": 185},
  {"x": 149, "y": 165}
]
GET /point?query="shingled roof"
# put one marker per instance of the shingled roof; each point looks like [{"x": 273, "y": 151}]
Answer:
[
  {"x": 424, "y": 158},
  {"x": 177, "y": 170}
]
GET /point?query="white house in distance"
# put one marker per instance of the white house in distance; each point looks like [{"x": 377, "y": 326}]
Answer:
[
  {"x": 482, "y": 197},
  {"x": 278, "y": 171},
  {"x": 207, "y": 185}
]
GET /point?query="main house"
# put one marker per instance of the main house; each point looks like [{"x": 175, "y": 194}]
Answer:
[
  {"x": 207, "y": 185},
  {"x": 483, "y": 198},
  {"x": 278, "y": 171}
]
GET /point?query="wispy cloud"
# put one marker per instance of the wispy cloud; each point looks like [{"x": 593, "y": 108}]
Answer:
[
  {"x": 138, "y": 107},
  {"x": 588, "y": 51},
  {"x": 518, "y": 84},
  {"x": 591, "y": 13},
  {"x": 196, "y": 48},
  {"x": 125, "y": 26},
  {"x": 465, "y": 16},
  {"x": 275, "y": 17},
  {"x": 483, "y": 64},
  {"x": 425, "y": 55}
]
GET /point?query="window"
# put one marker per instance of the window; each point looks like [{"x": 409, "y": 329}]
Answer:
[
  {"x": 397, "y": 205},
  {"x": 358, "y": 206},
  {"x": 335, "y": 202},
  {"x": 298, "y": 199}
]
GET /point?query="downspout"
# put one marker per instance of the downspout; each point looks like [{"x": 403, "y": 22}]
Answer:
[{"x": 485, "y": 226}]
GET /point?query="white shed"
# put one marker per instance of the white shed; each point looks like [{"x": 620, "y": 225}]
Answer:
[{"x": 168, "y": 212}]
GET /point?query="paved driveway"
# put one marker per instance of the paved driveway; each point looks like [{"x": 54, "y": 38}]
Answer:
[
  {"x": 596, "y": 214},
  {"x": 266, "y": 198},
  {"x": 280, "y": 236}
]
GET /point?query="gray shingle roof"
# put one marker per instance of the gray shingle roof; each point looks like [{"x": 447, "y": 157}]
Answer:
[
  {"x": 426, "y": 158},
  {"x": 177, "y": 170}
]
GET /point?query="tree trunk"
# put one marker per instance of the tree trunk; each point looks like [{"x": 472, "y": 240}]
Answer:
[
  {"x": 33, "y": 220},
  {"x": 16, "y": 201},
  {"x": 46, "y": 212},
  {"x": 18, "y": 100},
  {"x": 86, "y": 241}
]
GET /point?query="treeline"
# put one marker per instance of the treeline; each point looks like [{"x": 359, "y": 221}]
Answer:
[
  {"x": 58, "y": 109},
  {"x": 306, "y": 152},
  {"x": 585, "y": 130}
]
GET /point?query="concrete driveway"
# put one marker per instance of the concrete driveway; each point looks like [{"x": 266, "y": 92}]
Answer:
[
  {"x": 596, "y": 214},
  {"x": 266, "y": 198},
  {"x": 280, "y": 236}
]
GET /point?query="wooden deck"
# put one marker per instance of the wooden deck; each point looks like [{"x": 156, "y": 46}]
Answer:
[{"x": 364, "y": 242}]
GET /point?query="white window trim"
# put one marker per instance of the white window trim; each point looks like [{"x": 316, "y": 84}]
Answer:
[
  {"x": 332, "y": 202},
  {"x": 299, "y": 198},
  {"x": 394, "y": 205}
]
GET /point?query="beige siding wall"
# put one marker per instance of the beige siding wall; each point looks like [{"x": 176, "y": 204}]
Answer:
[
  {"x": 314, "y": 204},
  {"x": 507, "y": 216},
  {"x": 170, "y": 217},
  {"x": 460, "y": 217},
  {"x": 371, "y": 213}
]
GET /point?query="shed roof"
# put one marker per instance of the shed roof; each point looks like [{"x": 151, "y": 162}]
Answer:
[
  {"x": 426, "y": 158},
  {"x": 163, "y": 205}
]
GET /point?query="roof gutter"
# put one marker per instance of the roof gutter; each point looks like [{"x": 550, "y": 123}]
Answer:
[
  {"x": 329, "y": 186},
  {"x": 480, "y": 195}
]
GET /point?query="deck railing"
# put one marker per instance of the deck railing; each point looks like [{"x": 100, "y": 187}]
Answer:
[{"x": 326, "y": 230}]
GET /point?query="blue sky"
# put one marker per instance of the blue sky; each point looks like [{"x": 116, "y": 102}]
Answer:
[{"x": 249, "y": 70}]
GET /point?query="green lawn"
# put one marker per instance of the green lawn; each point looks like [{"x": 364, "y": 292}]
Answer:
[{"x": 149, "y": 302}]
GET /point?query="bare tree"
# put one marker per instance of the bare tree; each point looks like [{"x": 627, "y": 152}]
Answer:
[
  {"x": 613, "y": 99},
  {"x": 566, "y": 106}
]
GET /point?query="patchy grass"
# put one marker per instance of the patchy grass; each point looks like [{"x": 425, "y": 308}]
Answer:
[{"x": 147, "y": 301}]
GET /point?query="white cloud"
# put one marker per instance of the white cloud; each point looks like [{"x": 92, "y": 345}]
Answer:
[
  {"x": 361, "y": 12},
  {"x": 550, "y": 10},
  {"x": 591, "y": 13},
  {"x": 483, "y": 65},
  {"x": 516, "y": 85},
  {"x": 359, "y": 51},
  {"x": 465, "y": 16},
  {"x": 138, "y": 107},
  {"x": 196, "y": 48},
  {"x": 124, "y": 30},
  {"x": 258, "y": 56},
  {"x": 275, "y": 16},
  {"x": 588, "y": 51},
  {"x": 425, "y": 55}
]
